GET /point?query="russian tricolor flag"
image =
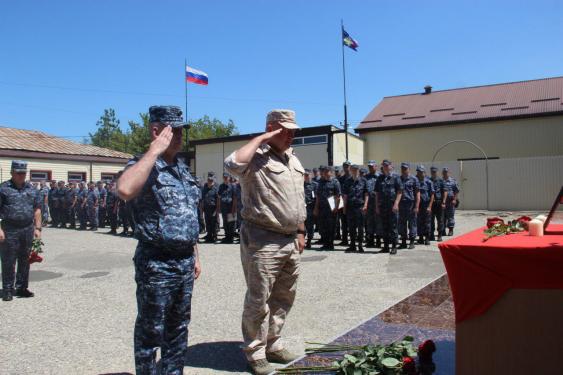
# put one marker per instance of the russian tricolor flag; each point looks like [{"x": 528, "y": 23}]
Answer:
[{"x": 196, "y": 76}]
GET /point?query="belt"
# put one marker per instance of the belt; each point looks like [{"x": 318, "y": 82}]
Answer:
[
  {"x": 269, "y": 229},
  {"x": 15, "y": 224},
  {"x": 161, "y": 252}
]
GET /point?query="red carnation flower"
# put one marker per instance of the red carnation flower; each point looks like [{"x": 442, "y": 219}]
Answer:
[
  {"x": 425, "y": 350},
  {"x": 409, "y": 366},
  {"x": 491, "y": 221},
  {"x": 524, "y": 220}
]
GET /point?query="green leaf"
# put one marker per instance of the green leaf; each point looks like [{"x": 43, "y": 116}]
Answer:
[
  {"x": 390, "y": 362},
  {"x": 350, "y": 358},
  {"x": 408, "y": 338}
]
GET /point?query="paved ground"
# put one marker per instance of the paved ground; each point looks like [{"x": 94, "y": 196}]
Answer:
[{"x": 81, "y": 320}]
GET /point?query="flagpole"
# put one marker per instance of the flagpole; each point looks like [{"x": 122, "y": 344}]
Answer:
[
  {"x": 344, "y": 81},
  {"x": 186, "y": 91}
]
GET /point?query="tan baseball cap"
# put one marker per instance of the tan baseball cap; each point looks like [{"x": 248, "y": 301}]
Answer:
[{"x": 284, "y": 117}]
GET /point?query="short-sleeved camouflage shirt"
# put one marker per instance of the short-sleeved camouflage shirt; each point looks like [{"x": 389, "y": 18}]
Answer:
[
  {"x": 17, "y": 206},
  {"x": 165, "y": 212},
  {"x": 273, "y": 196}
]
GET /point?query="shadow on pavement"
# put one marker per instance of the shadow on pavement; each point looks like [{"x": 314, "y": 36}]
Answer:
[{"x": 220, "y": 356}]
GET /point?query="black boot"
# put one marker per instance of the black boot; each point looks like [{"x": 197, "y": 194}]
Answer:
[
  {"x": 7, "y": 296},
  {"x": 370, "y": 244},
  {"x": 360, "y": 248},
  {"x": 440, "y": 238},
  {"x": 385, "y": 248},
  {"x": 427, "y": 241},
  {"x": 24, "y": 293},
  {"x": 308, "y": 245},
  {"x": 403, "y": 243},
  {"x": 351, "y": 249},
  {"x": 393, "y": 249},
  {"x": 411, "y": 244},
  {"x": 451, "y": 232},
  {"x": 420, "y": 240}
]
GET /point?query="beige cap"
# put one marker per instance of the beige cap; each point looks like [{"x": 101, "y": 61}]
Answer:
[{"x": 284, "y": 117}]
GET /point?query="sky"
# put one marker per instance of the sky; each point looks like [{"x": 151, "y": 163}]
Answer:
[{"x": 63, "y": 62}]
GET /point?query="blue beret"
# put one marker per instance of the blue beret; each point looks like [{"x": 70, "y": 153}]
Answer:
[
  {"x": 405, "y": 165},
  {"x": 386, "y": 162}
]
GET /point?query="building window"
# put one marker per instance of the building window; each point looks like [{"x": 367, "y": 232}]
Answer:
[
  {"x": 310, "y": 140},
  {"x": 37, "y": 176},
  {"x": 76, "y": 176},
  {"x": 315, "y": 140},
  {"x": 106, "y": 177},
  {"x": 297, "y": 141}
]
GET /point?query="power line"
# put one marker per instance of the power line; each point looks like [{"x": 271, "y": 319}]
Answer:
[{"x": 121, "y": 92}]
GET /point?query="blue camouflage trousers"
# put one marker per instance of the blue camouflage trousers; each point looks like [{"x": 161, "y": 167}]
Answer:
[
  {"x": 424, "y": 219},
  {"x": 164, "y": 295},
  {"x": 407, "y": 218},
  {"x": 449, "y": 215},
  {"x": 93, "y": 216},
  {"x": 16, "y": 247}
]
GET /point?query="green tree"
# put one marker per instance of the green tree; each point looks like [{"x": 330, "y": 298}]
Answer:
[
  {"x": 139, "y": 135},
  {"x": 109, "y": 134},
  {"x": 206, "y": 127}
]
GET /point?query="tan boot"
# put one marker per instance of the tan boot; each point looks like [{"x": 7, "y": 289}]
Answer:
[
  {"x": 261, "y": 367},
  {"x": 281, "y": 356}
]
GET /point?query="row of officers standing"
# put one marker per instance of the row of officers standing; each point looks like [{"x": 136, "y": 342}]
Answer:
[
  {"x": 84, "y": 206},
  {"x": 386, "y": 206}
]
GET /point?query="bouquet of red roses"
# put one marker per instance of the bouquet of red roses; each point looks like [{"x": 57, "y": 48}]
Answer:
[
  {"x": 497, "y": 227},
  {"x": 36, "y": 248}
]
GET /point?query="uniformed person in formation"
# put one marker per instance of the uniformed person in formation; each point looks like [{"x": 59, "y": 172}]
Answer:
[
  {"x": 92, "y": 205},
  {"x": 272, "y": 236},
  {"x": 210, "y": 195},
  {"x": 81, "y": 203},
  {"x": 163, "y": 197},
  {"x": 111, "y": 207},
  {"x": 451, "y": 189},
  {"x": 20, "y": 211},
  {"x": 102, "y": 209},
  {"x": 310, "y": 188},
  {"x": 438, "y": 208},
  {"x": 228, "y": 208},
  {"x": 326, "y": 206},
  {"x": 70, "y": 203},
  {"x": 51, "y": 202},
  {"x": 425, "y": 209},
  {"x": 388, "y": 193},
  {"x": 408, "y": 207},
  {"x": 373, "y": 221},
  {"x": 355, "y": 195},
  {"x": 44, "y": 195},
  {"x": 343, "y": 179},
  {"x": 57, "y": 214}
]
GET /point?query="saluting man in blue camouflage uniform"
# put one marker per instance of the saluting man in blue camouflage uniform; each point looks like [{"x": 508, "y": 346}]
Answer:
[
  {"x": 164, "y": 197},
  {"x": 425, "y": 209},
  {"x": 20, "y": 211},
  {"x": 389, "y": 190},
  {"x": 451, "y": 189},
  {"x": 408, "y": 207}
]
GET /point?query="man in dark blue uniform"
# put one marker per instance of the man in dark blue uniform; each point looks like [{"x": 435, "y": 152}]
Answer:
[
  {"x": 355, "y": 206},
  {"x": 389, "y": 190},
  {"x": 92, "y": 205},
  {"x": 326, "y": 206},
  {"x": 210, "y": 195},
  {"x": 310, "y": 188},
  {"x": 102, "y": 206},
  {"x": 58, "y": 213},
  {"x": 437, "y": 221},
  {"x": 451, "y": 189},
  {"x": 373, "y": 221},
  {"x": 227, "y": 206},
  {"x": 111, "y": 207},
  {"x": 408, "y": 207},
  {"x": 70, "y": 204},
  {"x": 343, "y": 179},
  {"x": 163, "y": 196},
  {"x": 425, "y": 209},
  {"x": 81, "y": 204},
  {"x": 20, "y": 211}
]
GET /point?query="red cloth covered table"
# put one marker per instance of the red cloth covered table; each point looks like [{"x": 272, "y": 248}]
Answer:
[{"x": 481, "y": 272}]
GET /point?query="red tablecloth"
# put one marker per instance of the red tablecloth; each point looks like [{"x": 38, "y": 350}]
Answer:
[{"x": 481, "y": 272}]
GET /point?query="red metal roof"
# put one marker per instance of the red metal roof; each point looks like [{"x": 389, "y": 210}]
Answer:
[{"x": 471, "y": 104}]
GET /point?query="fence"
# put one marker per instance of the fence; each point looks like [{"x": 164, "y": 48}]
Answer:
[{"x": 519, "y": 184}]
